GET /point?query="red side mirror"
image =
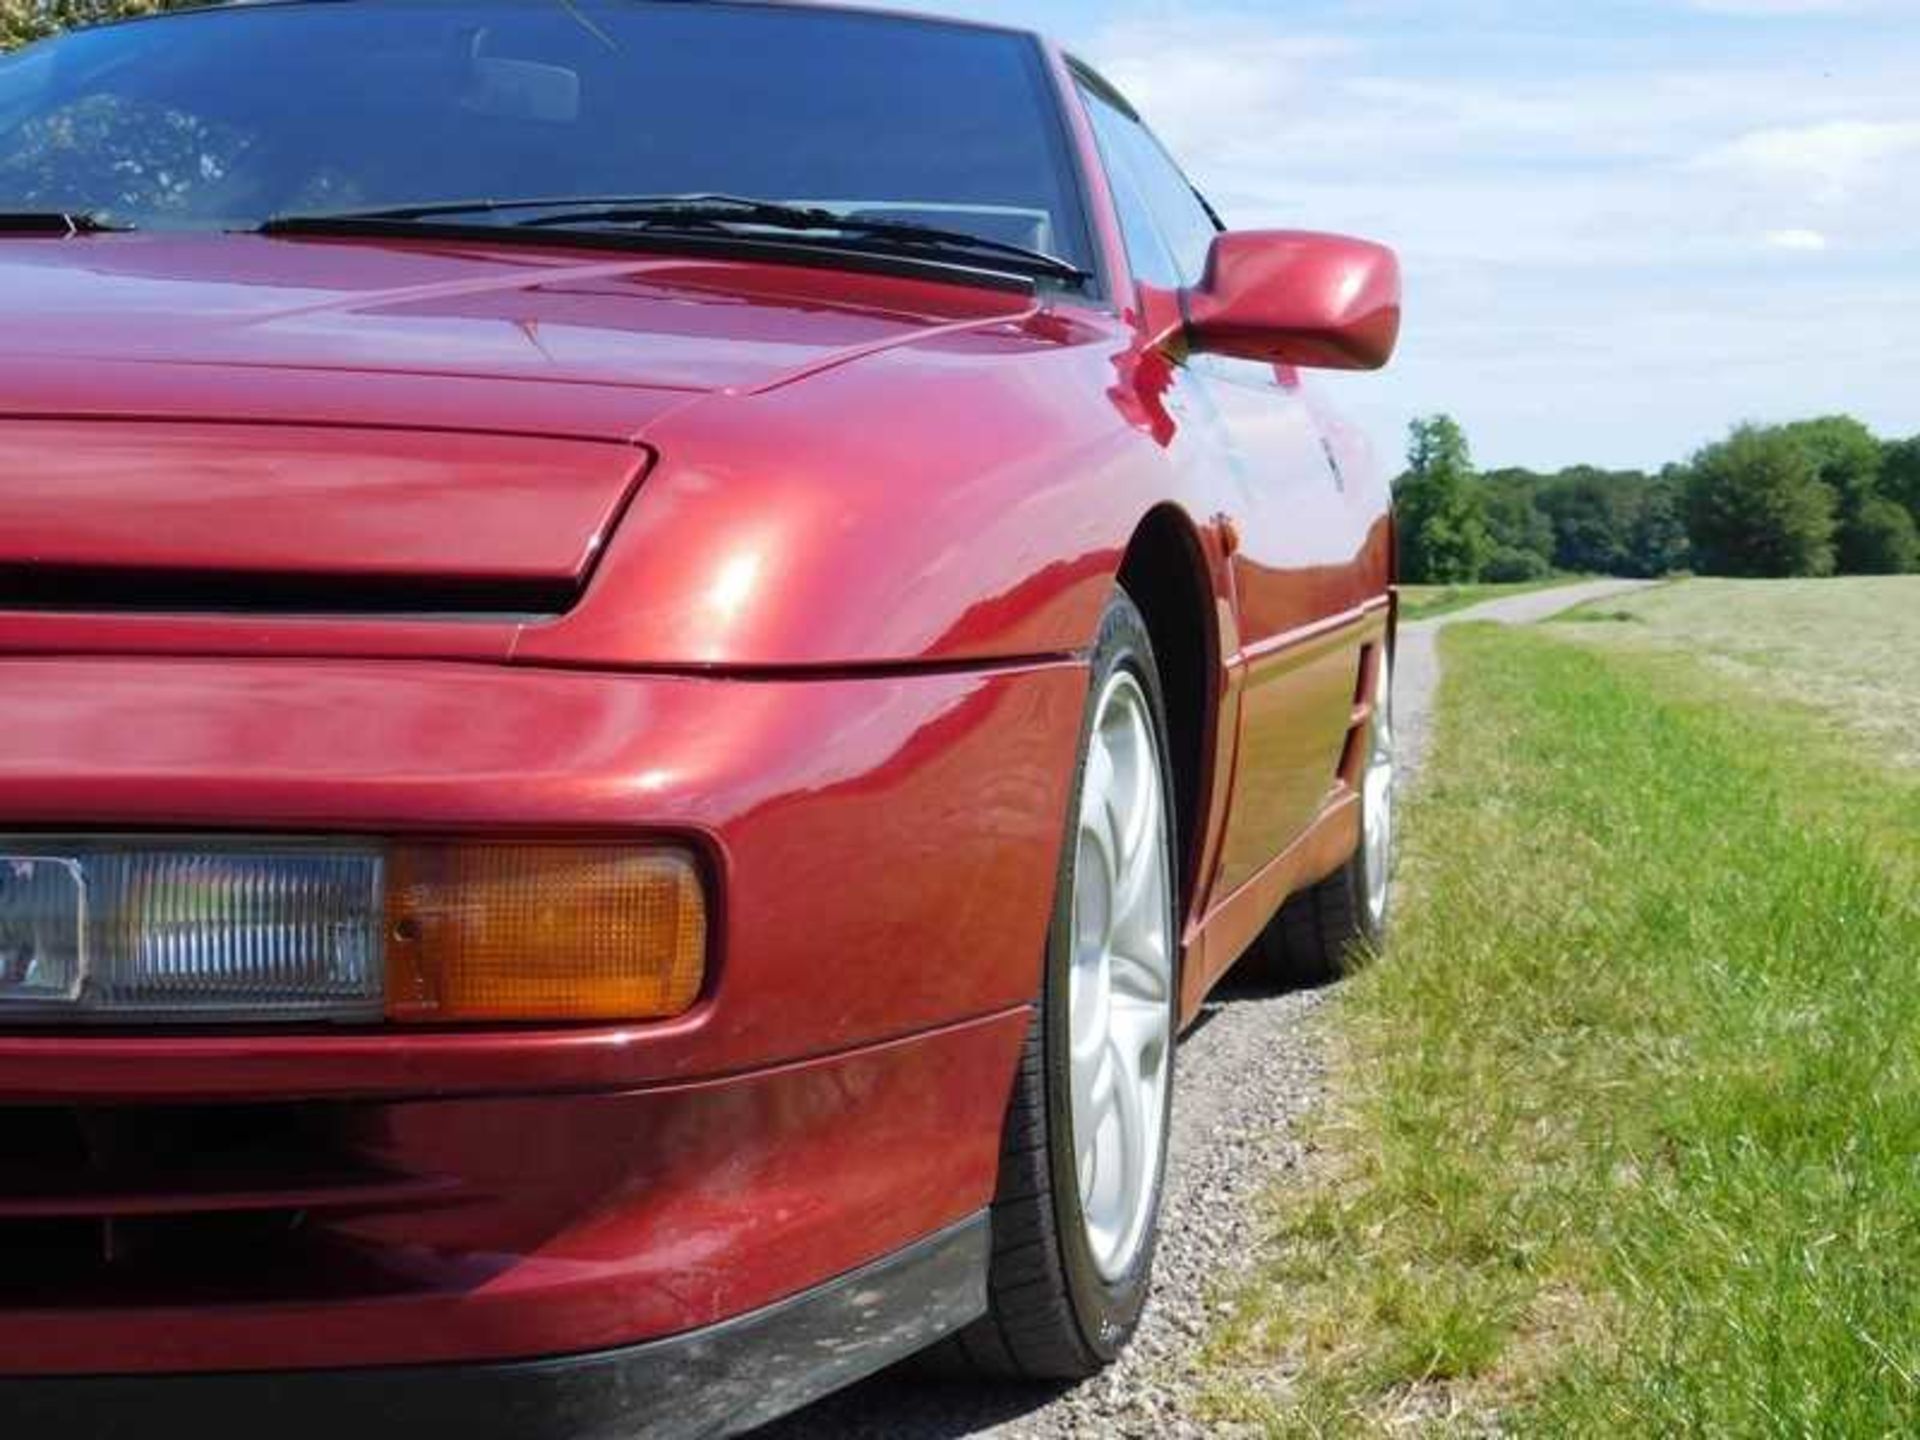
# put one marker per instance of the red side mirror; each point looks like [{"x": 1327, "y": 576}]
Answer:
[{"x": 1292, "y": 297}]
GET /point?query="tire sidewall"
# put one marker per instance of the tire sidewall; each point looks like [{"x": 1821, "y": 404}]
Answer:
[{"x": 1106, "y": 1311}]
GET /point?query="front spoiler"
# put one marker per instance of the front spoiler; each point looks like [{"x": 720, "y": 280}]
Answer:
[{"x": 717, "y": 1381}]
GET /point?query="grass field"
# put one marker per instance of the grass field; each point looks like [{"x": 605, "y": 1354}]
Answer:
[
  {"x": 1849, "y": 649},
  {"x": 1627, "y": 1131},
  {"x": 1424, "y": 602}
]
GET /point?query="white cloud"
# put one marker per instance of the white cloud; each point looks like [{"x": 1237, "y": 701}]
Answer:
[
  {"x": 1544, "y": 164},
  {"x": 1208, "y": 79},
  {"x": 1829, "y": 162},
  {"x": 1593, "y": 236}
]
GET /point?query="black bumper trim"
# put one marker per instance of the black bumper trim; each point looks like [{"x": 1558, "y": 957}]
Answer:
[{"x": 717, "y": 1381}]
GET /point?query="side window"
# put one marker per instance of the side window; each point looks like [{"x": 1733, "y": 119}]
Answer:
[
  {"x": 1148, "y": 253},
  {"x": 1144, "y": 175}
]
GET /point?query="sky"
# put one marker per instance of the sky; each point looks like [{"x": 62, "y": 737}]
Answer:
[{"x": 1627, "y": 225}]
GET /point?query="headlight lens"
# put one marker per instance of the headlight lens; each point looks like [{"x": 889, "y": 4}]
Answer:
[{"x": 197, "y": 931}]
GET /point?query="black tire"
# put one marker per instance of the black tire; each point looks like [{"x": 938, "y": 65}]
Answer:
[
  {"x": 1319, "y": 933},
  {"x": 1323, "y": 932},
  {"x": 1051, "y": 1315}
]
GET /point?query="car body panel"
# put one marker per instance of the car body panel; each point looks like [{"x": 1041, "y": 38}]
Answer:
[
  {"x": 544, "y": 1223},
  {"x": 355, "y": 505},
  {"x": 867, "y": 570},
  {"x": 955, "y": 783},
  {"x": 834, "y": 640},
  {"x": 460, "y": 311}
]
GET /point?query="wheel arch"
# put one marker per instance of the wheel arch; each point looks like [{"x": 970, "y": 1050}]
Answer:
[{"x": 1165, "y": 570}]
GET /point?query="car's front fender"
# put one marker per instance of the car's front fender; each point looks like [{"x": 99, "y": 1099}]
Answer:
[{"x": 961, "y": 500}]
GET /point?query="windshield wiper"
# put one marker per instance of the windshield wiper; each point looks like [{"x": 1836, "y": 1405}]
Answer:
[
  {"x": 697, "y": 212},
  {"x": 736, "y": 210},
  {"x": 57, "y": 222},
  {"x": 439, "y": 208}
]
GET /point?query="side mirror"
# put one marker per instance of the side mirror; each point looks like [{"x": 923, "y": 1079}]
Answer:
[{"x": 1292, "y": 297}]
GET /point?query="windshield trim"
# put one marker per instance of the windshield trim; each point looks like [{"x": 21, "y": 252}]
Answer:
[{"x": 1103, "y": 291}]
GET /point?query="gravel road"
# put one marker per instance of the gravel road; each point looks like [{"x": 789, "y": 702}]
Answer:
[
  {"x": 1417, "y": 661},
  {"x": 1247, "y": 1073}
]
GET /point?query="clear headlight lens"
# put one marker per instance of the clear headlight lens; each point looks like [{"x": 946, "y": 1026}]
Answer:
[
  {"x": 288, "y": 931},
  {"x": 171, "y": 931}
]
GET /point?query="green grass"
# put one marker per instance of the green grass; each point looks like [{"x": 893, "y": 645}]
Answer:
[
  {"x": 1627, "y": 1136},
  {"x": 1425, "y": 602},
  {"x": 1848, "y": 648}
]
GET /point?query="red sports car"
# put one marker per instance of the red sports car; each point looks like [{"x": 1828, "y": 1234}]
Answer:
[{"x": 649, "y": 652}]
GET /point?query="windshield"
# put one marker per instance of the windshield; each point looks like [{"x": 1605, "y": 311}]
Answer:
[{"x": 223, "y": 119}]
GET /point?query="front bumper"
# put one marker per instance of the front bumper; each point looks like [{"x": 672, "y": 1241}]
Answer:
[
  {"x": 882, "y": 852},
  {"x": 883, "y": 849},
  {"x": 716, "y": 1381}
]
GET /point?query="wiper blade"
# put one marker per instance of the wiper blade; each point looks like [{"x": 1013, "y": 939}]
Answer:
[
  {"x": 57, "y": 222},
  {"x": 699, "y": 211},
  {"x": 288, "y": 224}
]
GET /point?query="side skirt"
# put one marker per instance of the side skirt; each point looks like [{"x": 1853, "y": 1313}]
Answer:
[{"x": 1223, "y": 937}]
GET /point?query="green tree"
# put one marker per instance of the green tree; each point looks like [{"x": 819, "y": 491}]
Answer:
[
  {"x": 1511, "y": 567},
  {"x": 1900, "y": 473},
  {"x": 1443, "y": 530},
  {"x": 1883, "y": 539},
  {"x": 1657, "y": 544},
  {"x": 1515, "y": 520},
  {"x": 1756, "y": 506},
  {"x": 1849, "y": 461},
  {"x": 1592, "y": 512}
]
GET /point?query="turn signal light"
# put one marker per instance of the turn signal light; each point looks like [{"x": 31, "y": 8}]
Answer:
[{"x": 480, "y": 933}]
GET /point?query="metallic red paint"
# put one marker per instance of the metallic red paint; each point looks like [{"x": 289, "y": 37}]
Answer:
[
  {"x": 1291, "y": 297},
  {"x": 307, "y": 500},
  {"x": 609, "y": 1184},
  {"x": 781, "y": 527},
  {"x": 557, "y": 1223},
  {"x": 834, "y": 641},
  {"x": 939, "y": 796}
]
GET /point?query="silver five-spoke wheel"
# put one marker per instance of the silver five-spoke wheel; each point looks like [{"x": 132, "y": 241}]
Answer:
[
  {"x": 1120, "y": 1015},
  {"x": 1083, "y": 1152},
  {"x": 1376, "y": 797}
]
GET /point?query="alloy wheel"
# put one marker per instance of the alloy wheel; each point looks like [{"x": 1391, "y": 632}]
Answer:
[
  {"x": 1377, "y": 794},
  {"x": 1120, "y": 1000}
]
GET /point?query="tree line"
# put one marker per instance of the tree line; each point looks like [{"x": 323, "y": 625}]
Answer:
[{"x": 1817, "y": 497}]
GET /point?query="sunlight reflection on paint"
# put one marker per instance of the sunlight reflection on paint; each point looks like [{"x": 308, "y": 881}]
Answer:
[{"x": 734, "y": 586}]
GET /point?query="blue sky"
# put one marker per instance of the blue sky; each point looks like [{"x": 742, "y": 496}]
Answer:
[{"x": 1627, "y": 224}]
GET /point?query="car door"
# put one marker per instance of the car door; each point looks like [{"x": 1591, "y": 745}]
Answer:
[{"x": 1274, "y": 480}]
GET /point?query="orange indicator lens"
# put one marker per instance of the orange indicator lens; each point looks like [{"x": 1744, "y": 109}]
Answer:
[{"x": 542, "y": 932}]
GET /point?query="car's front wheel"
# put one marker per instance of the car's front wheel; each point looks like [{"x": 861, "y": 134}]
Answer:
[{"x": 1084, "y": 1153}]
